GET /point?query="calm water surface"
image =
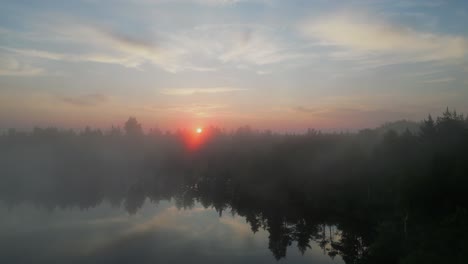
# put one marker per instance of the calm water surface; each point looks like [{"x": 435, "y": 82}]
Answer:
[{"x": 157, "y": 233}]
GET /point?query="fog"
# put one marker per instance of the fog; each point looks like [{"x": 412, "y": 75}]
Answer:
[{"x": 386, "y": 195}]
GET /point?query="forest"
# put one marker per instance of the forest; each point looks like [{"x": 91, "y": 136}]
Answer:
[{"x": 373, "y": 196}]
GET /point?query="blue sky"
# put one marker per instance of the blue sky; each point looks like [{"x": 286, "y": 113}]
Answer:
[{"x": 285, "y": 65}]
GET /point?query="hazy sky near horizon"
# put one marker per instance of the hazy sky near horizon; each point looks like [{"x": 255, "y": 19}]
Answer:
[{"x": 285, "y": 65}]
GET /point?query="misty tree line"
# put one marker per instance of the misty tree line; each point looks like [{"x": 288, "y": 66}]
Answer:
[{"x": 391, "y": 197}]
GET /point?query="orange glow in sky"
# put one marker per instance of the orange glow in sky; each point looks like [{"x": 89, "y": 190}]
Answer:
[{"x": 196, "y": 138}]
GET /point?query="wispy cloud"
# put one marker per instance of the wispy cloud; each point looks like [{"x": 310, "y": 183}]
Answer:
[
  {"x": 263, "y": 72},
  {"x": 236, "y": 44},
  {"x": 10, "y": 66},
  {"x": 199, "y": 110},
  {"x": 103, "y": 45},
  {"x": 86, "y": 100},
  {"x": 202, "y": 2},
  {"x": 130, "y": 62},
  {"x": 359, "y": 36},
  {"x": 304, "y": 109},
  {"x": 193, "y": 91},
  {"x": 440, "y": 80},
  {"x": 169, "y": 219},
  {"x": 373, "y": 108},
  {"x": 417, "y": 3},
  {"x": 216, "y": 2},
  {"x": 202, "y": 48},
  {"x": 186, "y": 107}
]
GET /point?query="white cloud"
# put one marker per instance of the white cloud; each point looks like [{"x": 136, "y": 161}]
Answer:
[
  {"x": 263, "y": 72},
  {"x": 204, "y": 48},
  {"x": 235, "y": 44},
  {"x": 440, "y": 80},
  {"x": 418, "y": 3},
  {"x": 216, "y": 2},
  {"x": 85, "y": 100},
  {"x": 192, "y": 91},
  {"x": 359, "y": 36},
  {"x": 201, "y": 2},
  {"x": 10, "y": 66},
  {"x": 97, "y": 44}
]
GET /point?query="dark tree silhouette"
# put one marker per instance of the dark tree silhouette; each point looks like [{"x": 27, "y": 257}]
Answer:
[{"x": 133, "y": 128}]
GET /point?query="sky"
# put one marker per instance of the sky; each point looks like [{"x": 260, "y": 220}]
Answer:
[{"x": 283, "y": 65}]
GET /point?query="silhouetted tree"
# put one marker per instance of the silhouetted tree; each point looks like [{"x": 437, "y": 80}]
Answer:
[{"x": 132, "y": 127}]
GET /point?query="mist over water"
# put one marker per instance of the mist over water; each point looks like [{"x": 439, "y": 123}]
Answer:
[
  {"x": 246, "y": 196},
  {"x": 158, "y": 232}
]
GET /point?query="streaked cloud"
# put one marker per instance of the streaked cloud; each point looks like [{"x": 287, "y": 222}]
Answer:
[
  {"x": 86, "y": 100},
  {"x": 193, "y": 91},
  {"x": 417, "y": 3},
  {"x": 10, "y": 66},
  {"x": 440, "y": 80},
  {"x": 202, "y": 48},
  {"x": 197, "y": 110},
  {"x": 359, "y": 35},
  {"x": 217, "y": 2},
  {"x": 201, "y": 2},
  {"x": 237, "y": 45},
  {"x": 304, "y": 109},
  {"x": 169, "y": 219}
]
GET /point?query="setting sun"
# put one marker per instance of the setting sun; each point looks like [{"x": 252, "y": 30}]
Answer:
[{"x": 199, "y": 130}]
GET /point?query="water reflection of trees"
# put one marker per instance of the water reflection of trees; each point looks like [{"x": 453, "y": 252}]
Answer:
[{"x": 370, "y": 197}]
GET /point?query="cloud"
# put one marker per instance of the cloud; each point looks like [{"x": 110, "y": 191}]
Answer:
[
  {"x": 359, "y": 36},
  {"x": 236, "y": 44},
  {"x": 189, "y": 108},
  {"x": 10, "y": 66},
  {"x": 92, "y": 43},
  {"x": 263, "y": 72},
  {"x": 24, "y": 71},
  {"x": 35, "y": 53},
  {"x": 203, "y": 48},
  {"x": 238, "y": 226},
  {"x": 126, "y": 61},
  {"x": 202, "y": 2},
  {"x": 193, "y": 91},
  {"x": 364, "y": 110},
  {"x": 217, "y": 2},
  {"x": 171, "y": 218},
  {"x": 197, "y": 110},
  {"x": 417, "y": 3},
  {"x": 352, "y": 116},
  {"x": 86, "y": 100},
  {"x": 111, "y": 46},
  {"x": 227, "y": 2},
  {"x": 305, "y": 109},
  {"x": 440, "y": 80},
  {"x": 253, "y": 46}
]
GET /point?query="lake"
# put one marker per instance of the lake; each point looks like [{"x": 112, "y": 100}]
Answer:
[{"x": 157, "y": 233}]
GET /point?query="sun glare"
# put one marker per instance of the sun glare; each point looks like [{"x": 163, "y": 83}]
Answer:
[{"x": 199, "y": 130}]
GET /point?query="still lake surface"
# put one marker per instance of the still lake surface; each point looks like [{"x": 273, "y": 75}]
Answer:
[{"x": 157, "y": 233}]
